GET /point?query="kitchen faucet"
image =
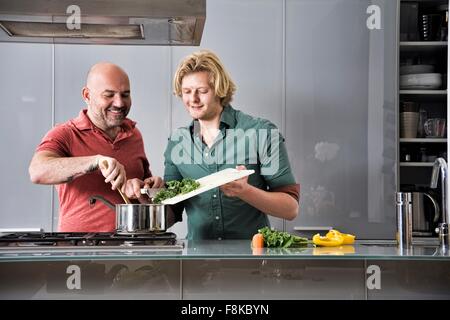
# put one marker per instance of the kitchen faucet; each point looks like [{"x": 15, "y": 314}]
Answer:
[{"x": 440, "y": 169}]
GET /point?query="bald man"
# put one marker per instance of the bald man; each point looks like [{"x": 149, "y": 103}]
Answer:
[{"x": 94, "y": 154}]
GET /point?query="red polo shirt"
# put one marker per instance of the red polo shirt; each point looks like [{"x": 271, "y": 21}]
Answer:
[{"x": 79, "y": 137}]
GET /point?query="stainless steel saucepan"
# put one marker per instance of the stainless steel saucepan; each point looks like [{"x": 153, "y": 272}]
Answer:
[{"x": 136, "y": 218}]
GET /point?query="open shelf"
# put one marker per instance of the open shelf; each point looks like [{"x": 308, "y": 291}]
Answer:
[
  {"x": 424, "y": 140},
  {"x": 422, "y": 46},
  {"x": 424, "y": 92},
  {"x": 423, "y": 43},
  {"x": 416, "y": 164}
]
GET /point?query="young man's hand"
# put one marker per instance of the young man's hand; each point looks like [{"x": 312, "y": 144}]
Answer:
[{"x": 237, "y": 187}]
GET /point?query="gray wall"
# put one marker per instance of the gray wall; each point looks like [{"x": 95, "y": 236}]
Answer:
[{"x": 311, "y": 67}]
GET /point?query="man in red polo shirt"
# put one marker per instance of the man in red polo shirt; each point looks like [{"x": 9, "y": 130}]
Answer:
[{"x": 72, "y": 155}]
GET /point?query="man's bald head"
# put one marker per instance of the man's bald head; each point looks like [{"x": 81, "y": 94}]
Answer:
[
  {"x": 107, "y": 95},
  {"x": 102, "y": 70}
]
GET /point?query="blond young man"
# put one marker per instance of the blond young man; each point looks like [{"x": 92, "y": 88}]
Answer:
[{"x": 211, "y": 143}]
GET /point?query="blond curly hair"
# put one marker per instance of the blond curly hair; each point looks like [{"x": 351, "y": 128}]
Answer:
[{"x": 219, "y": 79}]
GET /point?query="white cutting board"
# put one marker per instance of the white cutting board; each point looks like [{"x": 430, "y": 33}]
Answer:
[{"x": 210, "y": 182}]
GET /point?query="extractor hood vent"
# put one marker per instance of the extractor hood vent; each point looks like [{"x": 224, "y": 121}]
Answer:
[
  {"x": 60, "y": 30},
  {"x": 122, "y": 22}
]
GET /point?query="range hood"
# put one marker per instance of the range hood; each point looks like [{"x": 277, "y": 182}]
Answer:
[{"x": 116, "y": 22}]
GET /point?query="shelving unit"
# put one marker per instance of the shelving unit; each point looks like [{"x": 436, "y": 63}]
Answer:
[
  {"x": 416, "y": 155},
  {"x": 422, "y": 46}
]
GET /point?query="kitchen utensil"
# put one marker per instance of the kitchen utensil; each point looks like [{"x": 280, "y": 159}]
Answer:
[
  {"x": 124, "y": 197},
  {"x": 210, "y": 182},
  {"x": 136, "y": 218},
  {"x": 435, "y": 128},
  {"x": 310, "y": 231},
  {"x": 422, "y": 218},
  {"x": 430, "y": 26},
  {"x": 151, "y": 192}
]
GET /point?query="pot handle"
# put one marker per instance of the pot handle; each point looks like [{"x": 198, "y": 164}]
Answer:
[
  {"x": 93, "y": 199},
  {"x": 436, "y": 208}
]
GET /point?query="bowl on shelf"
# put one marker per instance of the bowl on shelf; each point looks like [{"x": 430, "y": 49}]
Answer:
[
  {"x": 423, "y": 81},
  {"x": 416, "y": 69}
]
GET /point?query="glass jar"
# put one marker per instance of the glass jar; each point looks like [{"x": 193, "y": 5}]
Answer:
[
  {"x": 423, "y": 154},
  {"x": 420, "y": 126}
]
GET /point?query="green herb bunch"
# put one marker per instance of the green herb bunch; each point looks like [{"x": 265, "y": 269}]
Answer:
[
  {"x": 175, "y": 188},
  {"x": 280, "y": 239}
]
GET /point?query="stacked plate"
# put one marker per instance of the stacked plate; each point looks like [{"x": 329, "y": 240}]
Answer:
[
  {"x": 416, "y": 69},
  {"x": 419, "y": 77},
  {"x": 408, "y": 124}
]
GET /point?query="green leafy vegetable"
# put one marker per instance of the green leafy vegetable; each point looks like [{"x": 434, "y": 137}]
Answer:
[
  {"x": 175, "y": 188},
  {"x": 280, "y": 239}
]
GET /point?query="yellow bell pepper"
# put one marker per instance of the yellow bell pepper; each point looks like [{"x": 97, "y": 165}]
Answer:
[
  {"x": 334, "y": 241},
  {"x": 348, "y": 238},
  {"x": 333, "y": 238}
]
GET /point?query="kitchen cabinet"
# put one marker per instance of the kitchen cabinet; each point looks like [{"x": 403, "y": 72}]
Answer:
[
  {"x": 341, "y": 102},
  {"x": 417, "y": 46},
  {"x": 226, "y": 269}
]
